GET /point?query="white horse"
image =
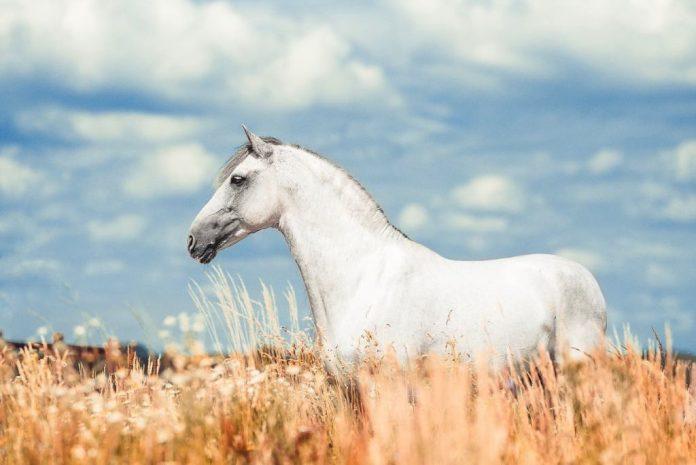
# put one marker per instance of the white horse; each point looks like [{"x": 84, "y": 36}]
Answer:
[{"x": 365, "y": 278}]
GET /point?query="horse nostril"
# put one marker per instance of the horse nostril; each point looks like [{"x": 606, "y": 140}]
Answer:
[{"x": 191, "y": 242}]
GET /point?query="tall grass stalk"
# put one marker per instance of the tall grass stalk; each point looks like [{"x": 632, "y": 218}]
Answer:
[{"x": 623, "y": 406}]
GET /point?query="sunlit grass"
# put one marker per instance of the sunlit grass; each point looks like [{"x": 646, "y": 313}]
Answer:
[{"x": 272, "y": 402}]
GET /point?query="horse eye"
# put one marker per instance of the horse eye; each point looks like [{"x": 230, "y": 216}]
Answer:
[{"x": 237, "y": 179}]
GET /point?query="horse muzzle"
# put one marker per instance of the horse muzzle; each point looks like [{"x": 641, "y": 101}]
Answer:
[{"x": 203, "y": 246}]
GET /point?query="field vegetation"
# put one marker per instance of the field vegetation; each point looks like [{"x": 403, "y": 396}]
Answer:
[{"x": 271, "y": 402}]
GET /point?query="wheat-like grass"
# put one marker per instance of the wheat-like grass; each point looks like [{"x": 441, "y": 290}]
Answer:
[{"x": 271, "y": 402}]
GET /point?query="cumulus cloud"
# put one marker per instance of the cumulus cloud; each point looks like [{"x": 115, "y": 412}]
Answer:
[
  {"x": 121, "y": 228},
  {"x": 413, "y": 216},
  {"x": 103, "y": 267},
  {"x": 490, "y": 193},
  {"x": 16, "y": 179},
  {"x": 651, "y": 42},
  {"x": 25, "y": 268},
  {"x": 107, "y": 127},
  {"x": 604, "y": 161},
  {"x": 29, "y": 231},
  {"x": 683, "y": 159},
  {"x": 668, "y": 310},
  {"x": 474, "y": 223},
  {"x": 659, "y": 276},
  {"x": 589, "y": 259},
  {"x": 176, "y": 170},
  {"x": 680, "y": 208},
  {"x": 662, "y": 201},
  {"x": 184, "y": 50}
]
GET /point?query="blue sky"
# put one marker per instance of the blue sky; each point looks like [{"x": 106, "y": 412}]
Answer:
[{"x": 484, "y": 128}]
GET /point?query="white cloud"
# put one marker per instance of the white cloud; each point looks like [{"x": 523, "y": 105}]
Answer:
[
  {"x": 604, "y": 161},
  {"x": 27, "y": 231},
  {"x": 650, "y": 41},
  {"x": 490, "y": 193},
  {"x": 17, "y": 179},
  {"x": 122, "y": 228},
  {"x": 472, "y": 223},
  {"x": 643, "y": 248},
  {"x": 179, "y": 169},
  {"x": 106, "y": 127},
  {"x": 683, "y": 159},
  {"x": 681, "y": 208},
  {"x": 23, "y": 268},
  {"x": 413, "y": 216},
  {"x": 184, "y": 50},
  {"x": 664, "y": 202},
  {"x": 666, "y": 311},
  {"x": 660, "y": 276},
  {"x": 103, "y": 267},
  {"x": 589, "y": 259}
]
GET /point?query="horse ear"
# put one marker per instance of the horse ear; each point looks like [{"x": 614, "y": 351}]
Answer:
[{"x": 260, "y": 147}]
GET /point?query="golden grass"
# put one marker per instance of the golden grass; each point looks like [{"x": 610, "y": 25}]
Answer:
[{"x": 277, "y": 406}]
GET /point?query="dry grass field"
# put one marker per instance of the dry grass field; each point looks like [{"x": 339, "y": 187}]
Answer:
[{"x": 275, "y": 405}]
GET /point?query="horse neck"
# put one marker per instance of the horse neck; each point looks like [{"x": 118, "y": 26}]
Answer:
[{"x": 335, "y": 232}]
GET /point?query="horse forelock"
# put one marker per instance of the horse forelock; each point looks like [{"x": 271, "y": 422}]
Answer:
[{"x": 239, "y": 155}]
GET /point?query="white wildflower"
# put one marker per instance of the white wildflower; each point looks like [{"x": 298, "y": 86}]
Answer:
[
  {"x": 258, "y": 378},
  {"x": 79, "y": 330},
  {"x": 163, "y": 436},
  {"x": 184, "y": 322},
  {"x": 114, "y": 417},
  {"x": 139, "y": 423},
  {"x": 179, "y": 379},
  {"x": 78, "y": 406},
  {"x": 78, "y": 452},
  {"x": 169, "y": 320},
  {"x": 198, "y": 325},
  {"x": 292, "y": 370}
]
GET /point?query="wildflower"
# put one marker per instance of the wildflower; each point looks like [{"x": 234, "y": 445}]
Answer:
[
  {"x": 114, "y": 417},
  {"x": 94, "y": 322},
  {"x": 180, "y": 379},
  {"x": 137, "y": 377},
  {"x": 100, "y": 380},
  {"x": 169, "y": 320},
  {"x": 139, "y": 423},
  {"x": 198, "y": 325},
  {"x": 78, "y": 452},
  {"x": 226, "y": 388},
  {"x": 292, "y": 370},
  {"x": 163, "y": 333},
  {"x": 42, "y": 330},
  {"x": 179, "y": 427},
  {"x": 163, "y": 436},
  {"x": 184, "y": 322},
  {"x": 257, "y": 378},
  {"x": 78, "y": 406},
  {"x": 59, "y": 391},
  {"x": 79, "y": 330},
  {"x": 196, "y": 347}
]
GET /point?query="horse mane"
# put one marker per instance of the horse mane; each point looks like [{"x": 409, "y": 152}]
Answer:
[{"x": 245, "y": 149}]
